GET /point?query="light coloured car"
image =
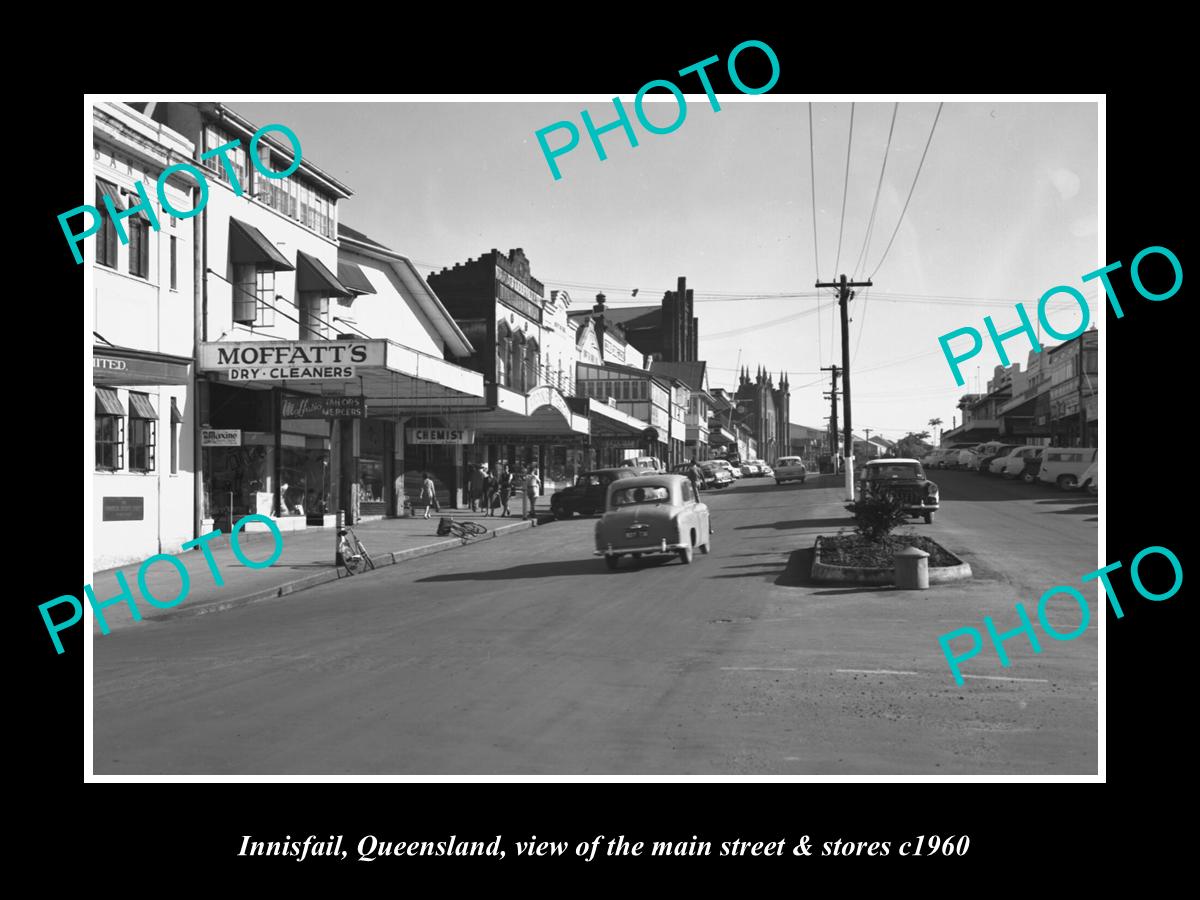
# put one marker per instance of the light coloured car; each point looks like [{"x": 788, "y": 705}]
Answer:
[
  {"x": 1090, "y": 480},
  {"x": 750, "y": 469},
  {"x": 764, "y": 470},
  {"x": 968, "y": 458},
  {"x": 1064, "y": 466},
  {"x": 1014, "y": 465},
  {"x": 989, "y": 452},
  {"x": 646, "y": 464},
  {"x": 790, "y": 468},
  {"x": 651, "y": 515},
  {"x": 735, "y": 472}
]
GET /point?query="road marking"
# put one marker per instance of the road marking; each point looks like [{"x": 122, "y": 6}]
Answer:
[
  {"x": 895, "y": 672},
  {"x": 757, "y": 669}
]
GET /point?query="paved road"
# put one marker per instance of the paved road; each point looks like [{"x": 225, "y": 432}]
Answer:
[{"x": 526, "y": 655}]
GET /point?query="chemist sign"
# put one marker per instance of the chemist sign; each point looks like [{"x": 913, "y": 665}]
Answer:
[{"x": 440, "y": 435}]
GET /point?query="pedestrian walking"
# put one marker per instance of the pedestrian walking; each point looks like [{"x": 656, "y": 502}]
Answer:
[
  {"x": 533, "y": 485},
  {"x": 429, "y": 495},
  {"x": 504, "y": 484},
  {"x": 475, "y": 485},
  {"x": 489, "y": 492},
  {"x": 695, "y": 475}
]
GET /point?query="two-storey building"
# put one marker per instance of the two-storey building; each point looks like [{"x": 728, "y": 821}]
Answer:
[{"x": 143, "y": 486}]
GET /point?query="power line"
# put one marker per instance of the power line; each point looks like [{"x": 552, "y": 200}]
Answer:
[
  {"x": 928, "y": 141},
  {"x": 862, "y": 254},
  {"x": 845, "y": 190},
  {"x": 812, "y": 174}
]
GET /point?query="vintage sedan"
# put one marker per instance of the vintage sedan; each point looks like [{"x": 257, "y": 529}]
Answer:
[
  {"x": 750, "y": 469},
  {"x": 903, "y": 478},
  {"x": 716, "y": 476},
  {"x": 790, "y": 468},
  {"x": 652, "y": 514},
  {"x": 586, "y": 496}
]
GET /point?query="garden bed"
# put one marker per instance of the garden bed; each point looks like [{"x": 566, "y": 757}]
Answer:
[{"x": 851, "y": 558}]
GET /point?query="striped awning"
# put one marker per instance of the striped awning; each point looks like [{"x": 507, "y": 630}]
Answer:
[
  {"x": 109, "y": 190},
  {"x": 140, "y": 408},
  {"x": 108, "y": 403}
]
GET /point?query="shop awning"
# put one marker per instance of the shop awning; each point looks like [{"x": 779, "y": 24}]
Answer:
[
  {"x": 314, "y": 275},
  {"x": 176, "y": 415},
  {"x": 127, "y": 366},
  {"x": 250, "y": 246},
  {"x": 140, "y": 408},
  {"x": 352, "y": 277},
  {"x": 108, "y": 403}
]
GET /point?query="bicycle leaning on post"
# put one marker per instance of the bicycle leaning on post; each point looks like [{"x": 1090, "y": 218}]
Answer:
[{"x": 352, "y": 552}]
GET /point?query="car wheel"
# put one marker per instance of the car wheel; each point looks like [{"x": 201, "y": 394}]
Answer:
[
  {"x": 929, "y": 518},
  {"x": 1066, "y": 482},
  {"x": 685, "y": 555},
  {"x": 802, "y": 479},
  {"x": 560, "y": 513},
  {"x": 777, "y": 481},
  {"x": 612, "y": 561},
  {"x": 1028, "y": 477}
]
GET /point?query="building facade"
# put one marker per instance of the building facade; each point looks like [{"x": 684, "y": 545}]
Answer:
[{"x": 144, "y": 469}]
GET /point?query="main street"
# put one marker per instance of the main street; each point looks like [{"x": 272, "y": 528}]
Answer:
[{"x": 526, "y": 655}]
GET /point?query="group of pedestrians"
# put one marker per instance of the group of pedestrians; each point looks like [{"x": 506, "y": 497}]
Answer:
[{"x": 490, "y": 493}]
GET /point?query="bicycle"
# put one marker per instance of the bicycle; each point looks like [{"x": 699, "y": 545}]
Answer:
[
  {"x": 466, "y": 530},
  {"x": 354, "y": 555}
]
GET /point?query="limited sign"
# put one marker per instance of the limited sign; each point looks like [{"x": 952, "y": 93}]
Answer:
[
  {"x": 220, "y": 437},
  {"x": 332, "y": 407},
  {"x": 440, "y": 435}
]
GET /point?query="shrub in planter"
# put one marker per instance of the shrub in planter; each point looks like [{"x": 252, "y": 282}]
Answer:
[{"x": 877, "y": 515}]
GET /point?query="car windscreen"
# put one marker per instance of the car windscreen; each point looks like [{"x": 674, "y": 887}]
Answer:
[
  {"x": 642, "y": 494},
  {"x": 789, "y": 461},
  {"x": 893, "y": 471}
]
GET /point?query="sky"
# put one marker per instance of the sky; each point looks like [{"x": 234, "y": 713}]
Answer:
[{"x": 1004, "y": 208}]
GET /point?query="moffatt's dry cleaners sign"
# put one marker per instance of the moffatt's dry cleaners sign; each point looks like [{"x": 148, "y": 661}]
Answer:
[{"x": 291, "y": 360}]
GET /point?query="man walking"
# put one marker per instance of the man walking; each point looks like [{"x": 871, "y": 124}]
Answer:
[{"x": 504, "y": 484}]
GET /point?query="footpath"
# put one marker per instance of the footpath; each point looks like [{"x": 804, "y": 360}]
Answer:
[{"x": 307, "y": 560}]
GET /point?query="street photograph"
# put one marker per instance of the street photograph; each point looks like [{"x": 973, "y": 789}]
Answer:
[{"x": 426, "y": 446}]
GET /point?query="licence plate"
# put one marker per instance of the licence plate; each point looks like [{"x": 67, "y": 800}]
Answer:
[{"x": 634, "y": 534}]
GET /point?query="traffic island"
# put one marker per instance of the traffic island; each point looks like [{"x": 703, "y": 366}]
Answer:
[{"x": 851, "y": 559}]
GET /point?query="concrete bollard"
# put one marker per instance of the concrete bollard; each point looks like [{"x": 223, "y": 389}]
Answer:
[{"x": 912, "y": 569}]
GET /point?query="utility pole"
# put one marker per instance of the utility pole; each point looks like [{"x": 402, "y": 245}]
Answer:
[
  {"x": 845, "y": 295},
  {"x": 833, "y": 422},
  {"x": 1082, "y": 408}
]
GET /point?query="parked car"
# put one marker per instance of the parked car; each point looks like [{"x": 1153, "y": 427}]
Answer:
[
  {"x": 716, "y": 476},
  {"x": 990, "y": 451},
  {"x": 735, "y": 472},
  {"x": 903, "y": 478},
  {"x": 652, "y": 514},
  {"x": 586, "y": 496},
  {"x": 968, "y": 457},
  {"x": 939, "y": 458},
  {"x": 1065, "y": 465},
  {"x": 790, "y": 468},
  {"x": 750, "y": 469},
  {"x": 706, "y": 478},
  {"x": 764, "y": 470},
  {"x": 646, "y": 464},
  {"x": 1090, "y": 480},
  {"x": 1013, "y": 464}
]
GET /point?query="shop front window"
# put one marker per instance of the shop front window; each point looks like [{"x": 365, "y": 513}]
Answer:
[
  {"x": 304, "y": 482},
  {"x": 110, "y": 442}
]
